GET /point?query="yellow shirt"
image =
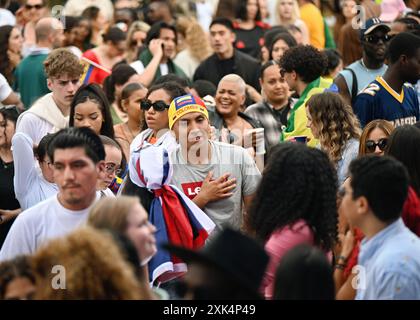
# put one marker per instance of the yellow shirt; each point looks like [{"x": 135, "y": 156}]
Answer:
[{"x": 312, "y": 17}]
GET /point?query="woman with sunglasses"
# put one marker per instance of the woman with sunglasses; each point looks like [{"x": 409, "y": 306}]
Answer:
[
  {"x": 34, "y": 10},
  {"x": 374, "y": 138},
  {"x": 155, "y": 108},
  {"x": 90, "y": 108}
]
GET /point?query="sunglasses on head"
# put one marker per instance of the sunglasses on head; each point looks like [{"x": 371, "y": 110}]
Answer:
[
  {"x": 157, "y": 105},
  {"x": 371, "y": 145},
  {"x": 36, "y": 6},
  {"x": 375, "y": 39}
]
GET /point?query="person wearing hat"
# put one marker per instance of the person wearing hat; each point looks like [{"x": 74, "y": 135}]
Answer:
[
  {"x": 392, "y": 96},
  {"x": 230, "y": 267},
  {"x": 218, "y": 177},
  {"x": 354, "y": 78}
]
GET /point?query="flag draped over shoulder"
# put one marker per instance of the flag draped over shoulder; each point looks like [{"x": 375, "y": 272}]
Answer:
[
  {"x": 89, "y": 67},
  {"x": 178, "y": 220}
]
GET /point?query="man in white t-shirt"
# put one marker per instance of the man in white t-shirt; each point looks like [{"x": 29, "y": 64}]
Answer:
[
  {"x": 78, "y": 156},
  {"x": 50, "y": 113},
  {"x": 218, "y": 177}
]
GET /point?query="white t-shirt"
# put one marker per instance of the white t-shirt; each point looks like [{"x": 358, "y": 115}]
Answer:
[
  {"x": 225, "y": 158},
  {"x": 47, "y": 220},
  {"x": 5, "y": 89},
  {"x": 30, "y": 186}
]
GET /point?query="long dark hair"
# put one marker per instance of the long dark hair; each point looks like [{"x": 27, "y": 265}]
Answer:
[
  {"x": 242, "y": 12},
  {"x": 119, "y": 76},
  {"x": 94, "y": 92},
  {"x": 5, "y": 65},
  {"x": 298, "y": 183},
  {"x": 404, "y": 145}
]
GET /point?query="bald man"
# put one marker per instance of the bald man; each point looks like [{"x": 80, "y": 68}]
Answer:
[{"x": 31, "y": 80}]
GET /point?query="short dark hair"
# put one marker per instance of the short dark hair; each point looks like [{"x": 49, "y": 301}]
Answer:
[
  {"x": 41, "y": 150},
  {"x": 154, "y": 32},
  {"x": 404, "y": 145},
  {"x": 173, "y": 89},
  {"x": 115, "y": 35},
  {"x": 383, "y": 181},
  {"x": 269, "y": 35},
  {"x": 78, "y": 138},
  {"x": 307, "y": 61},
  {"x": 94, "y": 92},
  {"x": 242, "y": 12},
  {"x": 304, "y": 273},
  {"x": 119, "y": 76},
  {"x": 286, "y": 37},
  {"x": 404, "y": 43},
  {"x": 333, "y": 60},
  {"x": 223, "y": 21},
  {"x": 91, "y": 12},
  {"x": 183, "y": 82},
  {"x": 204, "y": 88}
]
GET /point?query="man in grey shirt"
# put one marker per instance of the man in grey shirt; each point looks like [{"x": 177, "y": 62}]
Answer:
[{"x": 218, "y": 177}]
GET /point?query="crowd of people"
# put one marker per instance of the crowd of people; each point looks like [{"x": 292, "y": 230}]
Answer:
[{"x": 210, "y": 149}]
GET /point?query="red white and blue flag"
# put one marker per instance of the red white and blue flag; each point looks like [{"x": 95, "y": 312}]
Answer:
[{"x": 178, "y": 220}]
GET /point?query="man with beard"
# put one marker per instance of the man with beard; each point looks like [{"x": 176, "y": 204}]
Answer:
[
  {"x": 50, "y": 113},
  {"x": 389, "y": 97},
  {"x": 77, "y": 155},
  {"x": 359, "y": 74}
]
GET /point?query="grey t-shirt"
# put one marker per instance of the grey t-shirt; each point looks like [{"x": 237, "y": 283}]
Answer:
[{"x": 225, "y": 158}]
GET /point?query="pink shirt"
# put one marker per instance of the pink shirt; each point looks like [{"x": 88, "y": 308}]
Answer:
[{"x": 281, "y": 241}]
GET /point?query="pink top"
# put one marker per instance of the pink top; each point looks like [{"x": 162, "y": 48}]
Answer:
[{"x": 281, "y": 241}]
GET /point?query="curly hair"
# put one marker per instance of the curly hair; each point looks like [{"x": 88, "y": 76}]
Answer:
[
  {"x": 94, "y": 266},
  {"x": 62, "y": 62},
  {"x": 386, "y": 127},
  {"x": 194, "y": 36},
  {"x": 6, "y": 67},
  {"x": 18, "y": 267},
  {"x": 335, "y": 122},
  {"x": 298, "y": 183},
  {"x": 307, "y": 61}
]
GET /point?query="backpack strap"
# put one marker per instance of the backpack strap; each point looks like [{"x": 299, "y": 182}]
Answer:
[{"x": 353, "y": 85}]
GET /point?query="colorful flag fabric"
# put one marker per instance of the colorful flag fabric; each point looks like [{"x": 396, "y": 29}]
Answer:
[
  {"x": 90, "y": 67},
  {"x": 178, "y": 220}
]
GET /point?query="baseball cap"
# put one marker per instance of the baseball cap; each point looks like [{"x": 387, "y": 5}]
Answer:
[{"x": 371, "y": 25}]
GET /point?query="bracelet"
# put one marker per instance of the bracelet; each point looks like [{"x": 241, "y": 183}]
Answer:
[{"x": 340, "y": 266}]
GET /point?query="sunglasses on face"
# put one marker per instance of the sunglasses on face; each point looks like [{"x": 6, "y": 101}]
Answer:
[
  {"x": 157, "y": 105},
  {"x": 35, "y": 6},
  {"x": 371, "y": 145},
  {"x": 375, "y": 39}
]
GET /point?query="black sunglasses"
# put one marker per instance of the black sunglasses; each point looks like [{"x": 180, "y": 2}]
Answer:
[
  {"x": 371, "y": 145},
  {"x": 36, "y": 6},
  {"x": 157, "y": 105},
  {"x": 375, "y": 39}
]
